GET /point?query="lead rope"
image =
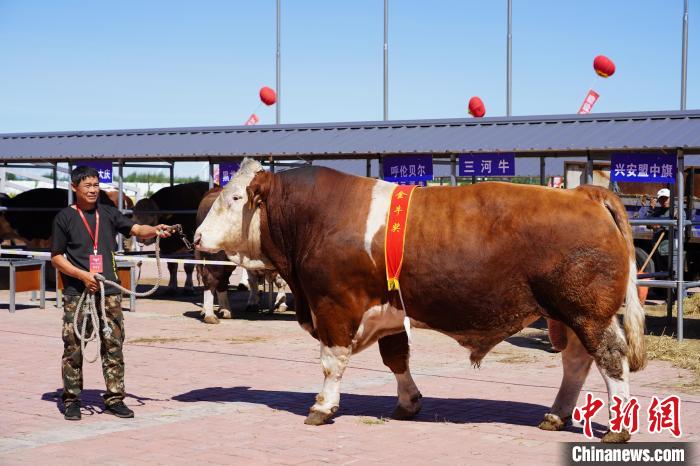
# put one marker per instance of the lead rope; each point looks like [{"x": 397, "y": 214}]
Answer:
[{"x": 86, "y": 307}]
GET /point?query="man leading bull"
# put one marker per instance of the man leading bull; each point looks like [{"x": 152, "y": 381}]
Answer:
[{"x": 84, "y": 240}]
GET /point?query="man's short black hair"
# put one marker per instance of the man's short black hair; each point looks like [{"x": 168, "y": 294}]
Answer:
[{"x": 81, "y": 172}]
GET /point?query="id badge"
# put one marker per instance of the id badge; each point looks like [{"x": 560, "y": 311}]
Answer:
[{"x": 96, "y": 263}]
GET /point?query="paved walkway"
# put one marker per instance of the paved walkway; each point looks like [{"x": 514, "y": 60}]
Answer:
[{"x": 238, "y": 392}]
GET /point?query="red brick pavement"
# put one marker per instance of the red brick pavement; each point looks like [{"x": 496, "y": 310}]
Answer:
[{"x": 237, "y": 393}]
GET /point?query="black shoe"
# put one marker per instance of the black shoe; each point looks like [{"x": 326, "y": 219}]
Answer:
[
  {"x": 119, "y": 409},
  {"x": 72, "y": 412}
]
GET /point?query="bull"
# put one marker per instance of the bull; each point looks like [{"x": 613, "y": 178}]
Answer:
[{"x": 481, "y": 262}]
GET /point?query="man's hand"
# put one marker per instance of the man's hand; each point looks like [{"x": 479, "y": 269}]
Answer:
[
  {"x": 147, "y": 231},
  {"x": 163, "y": 231},
  {"x": 90, "y": 281}
]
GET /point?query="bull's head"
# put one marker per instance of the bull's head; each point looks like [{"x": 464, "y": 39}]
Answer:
[{"x": 233, "y": 223}]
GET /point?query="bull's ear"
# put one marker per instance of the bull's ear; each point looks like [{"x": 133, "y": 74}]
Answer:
[{"x": 258, "y": 189}]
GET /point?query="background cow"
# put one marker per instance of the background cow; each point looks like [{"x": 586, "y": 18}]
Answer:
[
  {"x": 34, "y": 228},
  {"x": 481, "y": 262},
  {"x": 179, "y": 197},
  {"x": 216, "y": 277}
]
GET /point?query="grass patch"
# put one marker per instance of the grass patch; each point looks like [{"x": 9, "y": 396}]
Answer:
[
  {"x": 155, "y": 340},
  {"x": 518, "y": 359},
  {"x": 685, "y": 354},
  {"x": 240, "y": 340},
  {"x": 372, "y": 421},
  {"x": 691, "y": 306}
]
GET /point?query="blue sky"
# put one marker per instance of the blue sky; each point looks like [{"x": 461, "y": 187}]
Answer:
[{"x": 78, "y": 65}]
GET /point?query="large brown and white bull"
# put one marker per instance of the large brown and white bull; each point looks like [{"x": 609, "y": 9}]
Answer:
[{"x": 481, "y": 262}]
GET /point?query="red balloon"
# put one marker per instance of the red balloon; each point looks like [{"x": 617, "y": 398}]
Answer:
[
  {"x": 268, "y": 96},
  {"x": 476, "y": 107},
  {"x": 603, "y": 66}
]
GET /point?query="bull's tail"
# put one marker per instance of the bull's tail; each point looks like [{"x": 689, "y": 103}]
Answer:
[
  {"x": 634, "y": 310},
  {"x": 634, "y": 323}
]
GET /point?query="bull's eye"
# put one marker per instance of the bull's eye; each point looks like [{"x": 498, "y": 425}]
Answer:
[{"x": 236, "y": 198}]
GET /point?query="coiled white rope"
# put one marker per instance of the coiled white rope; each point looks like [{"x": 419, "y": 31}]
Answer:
[{"x": 88, "y": 309}]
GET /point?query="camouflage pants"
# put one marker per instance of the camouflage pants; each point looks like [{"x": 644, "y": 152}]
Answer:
[{"x": 110, "y": 350}]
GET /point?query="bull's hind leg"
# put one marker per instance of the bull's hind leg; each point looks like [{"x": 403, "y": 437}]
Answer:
[
  {"x": 334, "y": 360},
  {"x": 395, "y": 355},
  {"x": 608, "y": 347},
  {"x": 224, "y": 305},
  {"x": 577, "y": 363},
  {"x": 611, "y": 359}
]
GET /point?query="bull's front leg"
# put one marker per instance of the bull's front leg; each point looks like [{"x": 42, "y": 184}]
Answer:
[
  {"x": 189, "y": 285},
  {"x": 172, "y": 284},
  {"x": 281, "y": 299},
  {"x": 224, "y": 305},
  {"x": 208, "y": 308},
  {"x": 253, "y": 304},
  {"x": 395, "y": 354},
  {"x": 334, "y": 360}
]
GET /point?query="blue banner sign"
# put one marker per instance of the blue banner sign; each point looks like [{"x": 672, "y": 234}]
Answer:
[
  {"x": 103, "y": 167},
  {"x": 405, "y": 168},
  {"x": 501, "y": 164},
  {"x": 226, "y": 171},
  {"x": 643, "y": 168}
]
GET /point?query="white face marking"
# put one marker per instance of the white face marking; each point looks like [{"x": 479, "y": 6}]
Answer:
[
  {"x": 334, "y": 360},
  {"x": 230, "y": 225},
  {"x": 378, "y": 207},
  {"x": 377, "y": 322}
]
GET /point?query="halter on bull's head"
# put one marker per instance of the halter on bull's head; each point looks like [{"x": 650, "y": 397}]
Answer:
[{"x": 233, "y": 223}]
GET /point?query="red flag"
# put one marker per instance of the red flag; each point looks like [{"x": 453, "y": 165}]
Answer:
[{"x": 589, "y": 102}]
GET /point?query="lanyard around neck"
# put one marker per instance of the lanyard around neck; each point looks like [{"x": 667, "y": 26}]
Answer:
[{"x": 96, "y": 235}]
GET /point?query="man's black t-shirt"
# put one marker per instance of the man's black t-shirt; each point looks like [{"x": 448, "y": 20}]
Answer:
[{"x": 70, "y": 237}]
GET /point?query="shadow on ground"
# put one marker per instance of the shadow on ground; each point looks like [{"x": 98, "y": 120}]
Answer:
[
  {"x": 238, "y": 301},
  {"x": 656, "y": 324},
  {"x": 453, "y": 410},
  {"x": 91, "y": 400},
  {"x": 22, "y": 307}
]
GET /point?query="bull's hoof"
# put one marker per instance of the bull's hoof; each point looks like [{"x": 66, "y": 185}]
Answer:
[
  {"x": 252, "y": 308},
  {"x": 281, "y": 308},
  {"x": 402, "y": 413},
  {"x": 317, "y": 418},
  {"x": 616, "y": 437},
  {"x": 553, "y": 422},
  {"x": 188, "y": 291},
  {"x": 211, "y": 319},
  {"x": 225, "y": 314}
]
